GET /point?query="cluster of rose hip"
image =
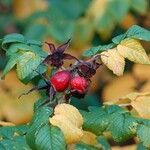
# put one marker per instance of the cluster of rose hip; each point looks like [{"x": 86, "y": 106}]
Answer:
[{"x": 73, "y": 81}]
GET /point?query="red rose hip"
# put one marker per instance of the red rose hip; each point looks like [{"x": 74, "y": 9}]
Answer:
[
  {"x": 60, "y": 80},
  {"x": 79, "y": 84}
]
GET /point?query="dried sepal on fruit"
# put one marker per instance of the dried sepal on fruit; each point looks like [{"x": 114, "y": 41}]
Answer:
[
  {"x": 88, "y": 68},
  {"x": 58, "y": 55},
  {"x": 69, "y": 120}
]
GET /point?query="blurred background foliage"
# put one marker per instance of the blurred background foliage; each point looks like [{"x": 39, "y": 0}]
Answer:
[{"x": 88, "y": 23}]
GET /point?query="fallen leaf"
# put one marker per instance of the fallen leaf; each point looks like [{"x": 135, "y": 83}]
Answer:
[
  {"x": 23, "y": 9},
  {"x": 71, "y": 147},
  {"x": 140, "y": 103},
  {"x": 133, "y": 50},
  {"x": 127, "y": 99},
  {"x": 114, "y": 61},
  {"x": 146, "y": 87},
  {"x": 4, "y": 124},
  {"x": 118, "y": 87},
  {"x": 128, "y": 147},
  {"x": 142, "y": 72},
  {"x": 17, "y": 111}
]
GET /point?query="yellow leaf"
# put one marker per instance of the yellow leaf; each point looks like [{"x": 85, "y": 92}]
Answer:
[
  {"x": 140, "y": 103},
  {"x": 71, "y": 147},
  {"x": 128, "y": 147},
  {"x": 133, "y": 50},
  {"x": 146, "y": 87},
  {"x": 69, "y": 120},
  {"x": 127, "y": 99},
  {"x": 24, "y": 8},
  {"x": 71, "y": 132},
  {"x": 89, "y": 138},
  {"x": 114, "y": 61},
  {"x": 70, "y": 112},
  {"x": 17, "y": 111},
  {"x": 142, "y": 106},
  {"x": 3, "y": 123}
]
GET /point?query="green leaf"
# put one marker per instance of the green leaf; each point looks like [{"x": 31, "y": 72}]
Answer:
[
  {"x": 40, "y": 70},
  {"x": 143, "y": 132},
  {"x": 135, "y": 32},
  {"x": 113, "y": 118},
  {"x": 18, "y": 143},
  {"x": 105, "y": 24},
  {"x": 35, "y": 31},
  {"x": 82, "y": 146},
  {"x": 138, "y": 32},
  {"x": 17, "y": 47},
  {"x": 27, "y": 63},
  {"x": 75, "y": 9},
  {"x": 98, "y": 119},
  {"x": 118, "y": 38},
  {"x": 34, "y": 42},
  {"x": 10, "y": 132},
  {"x": 141, "y": 147},
  {"x": 12, "y": 38},
  {"x": 122, "y": 127},
  {"x": 38, "y": 50},
  {"x": 141, "y": 6},
  {"x": 38, "y": 103},
  {"x": 61, "y": 31},
  {"x": 40, "y": 118},
  {"x": 12, "y": 61},
  {"x": 28, "y": 58},
  {"x": 120, "y": 6},
  {"x": 104, "y": 143},
  {"x": 97, "y": 49},
  {"x": 50, "y": 138}
]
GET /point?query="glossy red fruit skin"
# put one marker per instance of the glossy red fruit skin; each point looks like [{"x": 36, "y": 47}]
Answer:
[
  {"x": 61, "y": 80},
  {"x": 79, "y": 84}
]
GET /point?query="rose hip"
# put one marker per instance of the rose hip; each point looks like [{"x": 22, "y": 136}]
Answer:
[{"x": 61, "y": 80}]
